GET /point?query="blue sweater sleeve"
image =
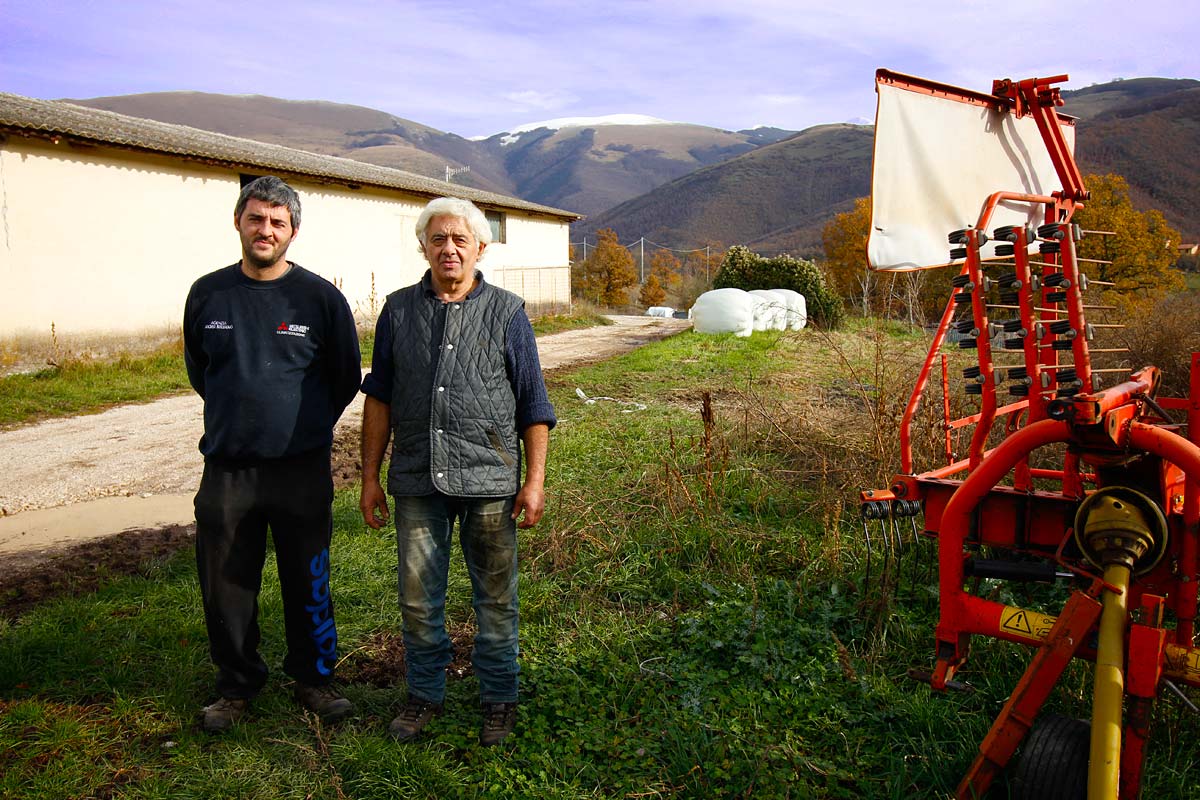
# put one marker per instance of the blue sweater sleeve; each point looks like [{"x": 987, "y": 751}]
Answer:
[
  {"x": 344, "y": 359},
  {"x": 378, "y": 383},
  {"x": 525, "y": 374}
]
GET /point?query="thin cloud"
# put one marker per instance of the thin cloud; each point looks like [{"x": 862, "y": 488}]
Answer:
[{"x": 479, "y": 70}]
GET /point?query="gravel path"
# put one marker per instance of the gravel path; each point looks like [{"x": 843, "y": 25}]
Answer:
[{"x": 148, "y": 451}]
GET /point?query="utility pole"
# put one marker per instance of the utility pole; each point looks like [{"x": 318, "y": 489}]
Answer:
[
  {"x": 706, "y": 248},
  {"x": 452, "y": 171},
  {"x": 642, "y": 256}
]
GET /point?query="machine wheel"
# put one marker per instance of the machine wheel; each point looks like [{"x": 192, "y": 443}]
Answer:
[{"x": 1054, "y": 760}]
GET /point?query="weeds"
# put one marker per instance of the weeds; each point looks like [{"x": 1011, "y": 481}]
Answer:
[
  {"x": 1165, "y": 335},
  {"x": 29, "y": 352},
  {"x": 369, "y": 308},
  {"x": 582, "y": 315},
  {"x": 74, "y": 385}
]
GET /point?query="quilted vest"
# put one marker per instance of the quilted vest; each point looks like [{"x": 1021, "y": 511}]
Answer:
[{"x": 454, "y": 429}]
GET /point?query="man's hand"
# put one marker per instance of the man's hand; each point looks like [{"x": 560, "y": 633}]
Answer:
[
  {"x": 375, "y": 432},
  {"x": 532, "y": 500},
  {"x": 532, "y": 497},
  {"x": 372, "y": 502}
]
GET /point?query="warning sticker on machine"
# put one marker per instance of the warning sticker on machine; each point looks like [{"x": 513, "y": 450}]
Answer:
[{"x": 1024, "y": 623}]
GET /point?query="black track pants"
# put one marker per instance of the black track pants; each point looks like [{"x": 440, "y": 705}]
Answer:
[{"x": 234, "y": 507}]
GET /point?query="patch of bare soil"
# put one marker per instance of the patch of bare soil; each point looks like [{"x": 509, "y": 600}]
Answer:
[
  {"x": 380, "y": 660},
  {"x": 28, "y": 580}
]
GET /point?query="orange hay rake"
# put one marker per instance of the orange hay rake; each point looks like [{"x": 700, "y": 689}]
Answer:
[{"x": 1064, "y": 477}]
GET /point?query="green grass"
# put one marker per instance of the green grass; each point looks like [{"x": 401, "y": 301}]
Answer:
[
  {"x": 80, "y": 387},
  {"x": 580, "y": 318},
  {"x": 692, "y": 626}
]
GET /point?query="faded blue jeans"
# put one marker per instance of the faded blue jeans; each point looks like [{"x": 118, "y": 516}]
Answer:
[{"x": 488, "y": 537}]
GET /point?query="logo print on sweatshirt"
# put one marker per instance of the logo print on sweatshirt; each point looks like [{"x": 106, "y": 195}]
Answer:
[
  {"x": 285, "y": 329},
  {"x": 219, "y": 325}
]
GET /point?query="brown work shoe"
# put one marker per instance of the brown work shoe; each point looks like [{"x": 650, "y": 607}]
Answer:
[
  {"x": 220, "y": 716},
  {"x": 499, "y": 719},
  {"x": 324, "y": 701},
  {"x": 414, "y": 715}
]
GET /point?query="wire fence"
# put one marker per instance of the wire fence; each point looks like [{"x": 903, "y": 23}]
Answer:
[{"x": 637, "y": 249}]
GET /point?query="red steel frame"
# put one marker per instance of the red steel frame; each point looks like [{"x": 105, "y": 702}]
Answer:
[{"x": 1117, "y": 433}]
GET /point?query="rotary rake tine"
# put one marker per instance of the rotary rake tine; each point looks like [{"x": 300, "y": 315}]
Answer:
[
  {"x": 895, "y": 550},
  {"x": 871, "y": 512},
  {"x": 890, "y": 543},
  {"x": 909, "y": 509}
]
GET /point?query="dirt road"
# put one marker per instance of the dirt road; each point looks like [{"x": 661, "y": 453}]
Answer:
[{"x": 137, "y": 467}]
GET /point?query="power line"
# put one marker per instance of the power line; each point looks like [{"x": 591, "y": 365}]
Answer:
[
  {"x": 640, "y": 239},
  {"x": 641, "y": 243}
]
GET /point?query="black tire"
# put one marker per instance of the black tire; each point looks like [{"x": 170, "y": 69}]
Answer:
[{"x": 1054, "y": 760}]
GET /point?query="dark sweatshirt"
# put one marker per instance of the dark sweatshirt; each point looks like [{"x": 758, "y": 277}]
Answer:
[{"x": 275, "y": 361}]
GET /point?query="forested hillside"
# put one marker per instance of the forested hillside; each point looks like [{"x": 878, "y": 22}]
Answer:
[
  {"x": 775, "y": 199},
  {"x": 779, "y": 198}
]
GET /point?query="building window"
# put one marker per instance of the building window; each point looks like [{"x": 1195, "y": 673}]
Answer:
[
  {"x": 247, "y": 178},
  {"x": 496, "y": 220}
]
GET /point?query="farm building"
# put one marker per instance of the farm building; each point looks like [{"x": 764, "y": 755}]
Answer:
[{"x": 106, "y": 219}]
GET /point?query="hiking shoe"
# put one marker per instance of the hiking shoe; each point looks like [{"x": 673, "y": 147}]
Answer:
[
  {"x": 414, "y": 715},
  {"x": 220, "y": 716},
  {"x": 324, "y": 701},
  {"x": 499, "y": 719}
]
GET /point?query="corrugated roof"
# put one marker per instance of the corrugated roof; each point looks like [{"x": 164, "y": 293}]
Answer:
[{"x": 29, "y": 116}]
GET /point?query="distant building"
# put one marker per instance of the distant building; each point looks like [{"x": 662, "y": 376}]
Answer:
[{"x": 106, "y": 219}]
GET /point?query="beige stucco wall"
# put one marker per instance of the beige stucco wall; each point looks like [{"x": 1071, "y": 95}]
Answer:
[
  {"x": 356, "y": 236},
  {"x": 533, "y": 262},
  {"x": 92, "y": 240},
  {"x": 100, "y": 240}
]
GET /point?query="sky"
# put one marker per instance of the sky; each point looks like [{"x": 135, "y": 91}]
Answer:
[{"x": 476, "y": 69}]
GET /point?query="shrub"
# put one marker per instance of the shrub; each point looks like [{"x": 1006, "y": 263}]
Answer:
[
  {"x": 743, "y": 269},
  {"x": 1163, "y": 334}
]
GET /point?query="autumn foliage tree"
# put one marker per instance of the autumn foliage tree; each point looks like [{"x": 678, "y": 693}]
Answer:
[
  {"x": 914, "y": 296},
  {"x": 652, "y": 292},
  {"x": 1142, "y": 250},
  {"x": 607, "y": 273},
  {"x": 665, "y": 266},
  {"x": 845, "y": 240}
]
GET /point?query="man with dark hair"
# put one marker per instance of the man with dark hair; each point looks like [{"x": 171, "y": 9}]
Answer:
[
  {"x": 273, "y": 350},
  {"x": 455, "y": 378}
]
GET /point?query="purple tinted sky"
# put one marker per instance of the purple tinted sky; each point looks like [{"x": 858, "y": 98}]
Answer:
[{"x": 475, "y": 68}]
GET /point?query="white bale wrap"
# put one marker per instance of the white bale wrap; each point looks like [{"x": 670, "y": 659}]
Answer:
[
  {"x": 724, "y": 311},
  {"x": 797, "y": 309},
  {"x": 771, "y": 313},
  {"x": 660, "y": 311}
]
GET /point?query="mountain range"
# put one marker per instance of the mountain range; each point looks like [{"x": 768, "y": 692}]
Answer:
[
  {"x": 780, "y": 197},
  {"x": 685, "y": 185},
  {"x": 584, "y": 166}
]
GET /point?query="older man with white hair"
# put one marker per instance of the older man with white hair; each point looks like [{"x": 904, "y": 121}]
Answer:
[{"x": 456, "y": 384}]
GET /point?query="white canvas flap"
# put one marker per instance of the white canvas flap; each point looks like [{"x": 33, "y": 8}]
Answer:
[{"x": 937, "y": 160}]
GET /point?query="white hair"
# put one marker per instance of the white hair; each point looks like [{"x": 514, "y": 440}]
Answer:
[{"x": 455, "y": 207}]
